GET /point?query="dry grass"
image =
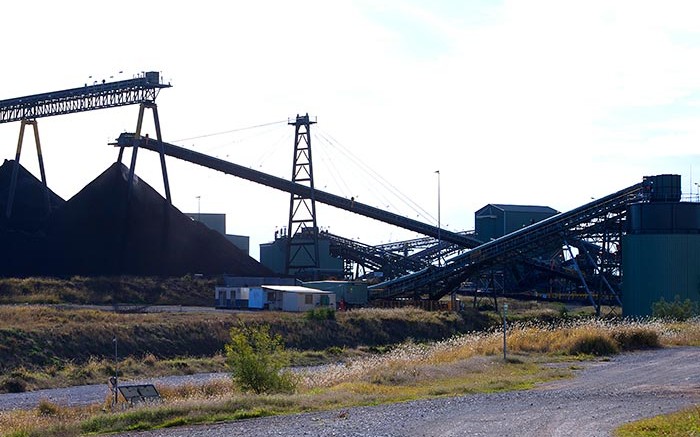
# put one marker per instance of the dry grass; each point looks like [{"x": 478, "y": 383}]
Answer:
[
  {"x": 53, "y": 345},
  {"x": 462, "y": 364}
]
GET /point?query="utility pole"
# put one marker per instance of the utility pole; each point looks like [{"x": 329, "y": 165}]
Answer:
[{"x": 438, "y": 223}]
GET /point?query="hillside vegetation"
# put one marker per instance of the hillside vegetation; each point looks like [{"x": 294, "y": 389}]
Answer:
[
  {"x": 108, "y": 290},
  {"x": 47, "y": 338}
]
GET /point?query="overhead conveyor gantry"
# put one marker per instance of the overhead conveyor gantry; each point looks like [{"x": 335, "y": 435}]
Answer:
[
  {"x": 141, "y": 90},
  {"x": 87, "y": 98}
]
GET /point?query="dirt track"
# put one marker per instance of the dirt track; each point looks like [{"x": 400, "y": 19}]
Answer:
[{"x": 602, "y": 396}]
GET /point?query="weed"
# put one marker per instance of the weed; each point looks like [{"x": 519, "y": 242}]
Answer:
[{"x": 47, "y": 408}]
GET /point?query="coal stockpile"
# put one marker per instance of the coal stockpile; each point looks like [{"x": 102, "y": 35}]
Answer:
[
  {"x": 101, "y": 232},
  {"x": 104, "y": 230},
  {"x": 33, "y": 203},
  {"x": 22, "y": 236}
]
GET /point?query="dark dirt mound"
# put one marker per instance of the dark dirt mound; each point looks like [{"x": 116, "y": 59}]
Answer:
[{"x": 99, "y": 232}]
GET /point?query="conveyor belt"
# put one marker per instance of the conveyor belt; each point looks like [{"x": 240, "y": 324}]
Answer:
[
  {"x": 438, "y": 281},
  {"x": 128, "y": 140}
]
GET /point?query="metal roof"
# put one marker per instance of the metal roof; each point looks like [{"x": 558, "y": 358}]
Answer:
[
  {"x": 522, "y": 208},
  {"x": 295, "y": 289}
]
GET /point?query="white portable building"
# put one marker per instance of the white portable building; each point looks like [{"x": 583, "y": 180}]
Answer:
[{"x": 297, "y": 299}]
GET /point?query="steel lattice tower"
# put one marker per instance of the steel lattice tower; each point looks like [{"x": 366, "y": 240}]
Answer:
[{"x": 302, "y": 230}]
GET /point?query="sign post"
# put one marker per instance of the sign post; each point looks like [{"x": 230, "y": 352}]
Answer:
[{"x": 505, "y": 329}]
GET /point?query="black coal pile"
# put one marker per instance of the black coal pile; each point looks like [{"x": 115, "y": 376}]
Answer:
[
  {"x": 22, "y": 236},
  {"x": 104, "y": 230},
  {"x": 33, "y": 203},
  {"x": 101, "y": 232}
]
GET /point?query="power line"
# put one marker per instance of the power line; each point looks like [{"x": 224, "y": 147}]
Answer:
[
  {"x": 376, "y": 176},
  {"x": 229, "y": 131}
]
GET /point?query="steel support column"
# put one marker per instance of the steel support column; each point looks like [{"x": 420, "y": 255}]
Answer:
[
  {"x": 583, "y": 279},
  {"x": 302, "y": 239},
  {"x": 15, "y": 168},
  {"x": 139, "y": 125}
]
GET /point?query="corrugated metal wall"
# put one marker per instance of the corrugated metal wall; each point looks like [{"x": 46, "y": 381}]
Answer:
[{"x": 656, "y": 265}]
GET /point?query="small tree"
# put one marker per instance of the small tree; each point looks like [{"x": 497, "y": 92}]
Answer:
[
  {"x": 676, "y": 310},
  {"x": 257, "y": 360}
]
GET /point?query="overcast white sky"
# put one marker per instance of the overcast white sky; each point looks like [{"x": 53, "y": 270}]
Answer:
[{"x": 524, "y": 102}]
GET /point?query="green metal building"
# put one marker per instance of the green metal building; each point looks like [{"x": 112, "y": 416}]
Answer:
[
  {"x": 496, "y": 220},
  {"x": 273, "y": 256},
  {"x": 660, "y": 255},
  {"x": 352, "y": 292}
]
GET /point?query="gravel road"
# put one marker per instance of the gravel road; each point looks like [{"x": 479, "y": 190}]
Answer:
[{"x": 602, "y": 396}]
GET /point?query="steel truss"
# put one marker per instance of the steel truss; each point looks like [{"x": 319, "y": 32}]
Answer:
[{"x": 88, "y": 98}]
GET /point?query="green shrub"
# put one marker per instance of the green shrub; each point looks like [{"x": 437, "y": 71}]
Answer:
[
  {"x": 594, "y": 344},
  {"x": 320, "y": 314},
  {"x": 256, "y": 359},
  {"x": 675, "y": 310}
]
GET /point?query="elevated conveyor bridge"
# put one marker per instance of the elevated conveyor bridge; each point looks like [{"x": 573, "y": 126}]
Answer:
[
  {"x": 373, "y": 258},
  {"x": 130, "y": 140},
  {"x": 87, "y": 98},
  {"x": 436, "y": 282}
]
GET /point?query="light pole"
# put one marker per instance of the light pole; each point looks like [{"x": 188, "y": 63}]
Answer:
[
  {"x": 438, "y": 206},
  {"x": 199, "y": 208}
]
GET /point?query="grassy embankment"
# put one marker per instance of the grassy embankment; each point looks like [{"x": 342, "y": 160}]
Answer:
[
  {"x": 463, "y": 364},
  {"x": 43, "y": 347}
]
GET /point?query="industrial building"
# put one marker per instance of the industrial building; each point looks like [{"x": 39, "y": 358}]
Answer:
[
  {"x": 661, "y": 250},
  {"x": 217, "y": 222},
  {"x": 353, "y": 293},
  {"x": 496, "y": 220},
  {"x": 273, "y": 255}
]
